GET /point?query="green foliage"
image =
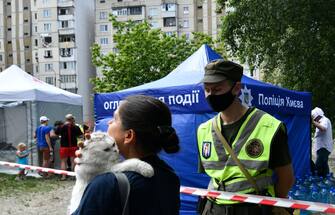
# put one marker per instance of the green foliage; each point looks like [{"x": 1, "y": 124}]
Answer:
[
  {"x": 144, "y": 55},
  {"x": 291, "y": 41}
]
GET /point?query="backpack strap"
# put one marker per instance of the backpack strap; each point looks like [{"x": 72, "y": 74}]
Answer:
[{"x": 124, "y": 189}]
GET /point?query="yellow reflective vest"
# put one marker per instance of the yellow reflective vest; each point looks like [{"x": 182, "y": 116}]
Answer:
[{"x": 251, "y": 146}]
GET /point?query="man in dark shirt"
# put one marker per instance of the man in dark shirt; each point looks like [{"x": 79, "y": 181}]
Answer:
[{"x": 69, "y": 133}]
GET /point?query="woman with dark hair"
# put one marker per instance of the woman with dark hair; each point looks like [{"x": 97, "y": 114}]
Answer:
[{"x": 141, "y": 128}]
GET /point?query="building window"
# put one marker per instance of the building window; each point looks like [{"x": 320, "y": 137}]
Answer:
[
  {"x": 35, "y": 15},
  {"x": 70, "y": 65},
  {"x": 68, "y": 78},
  {"x": 186, "y": 24},
  {"x": 46, "y": 13},
  {"x": 67, "y": 38},
  {"x": 103, "y": 28},
  {"x": 169, "y": 33},
  {"x": 9, "y": 29},
  {"x": 103, "y": 15},
  {"x": 8, "y": 3},
  {"x": 153, "y": 11},
  {"x": 64, "y": 24},
  {"x": 46, "y": 41},
  {"x": 102, "y": 1},
  {"x": 35, "y": 28},
  {"x": 120, "y": 12},
  {"x": 10, "y": 55},
  {"x": 9, "y": 42},
  {"x": 26, "y": 20},
  {"x": 45, "y": 2},
  {"x": 169, "y": 7},
  {"x": 135, "y": 10},
  {"x": 72, "y": 90},
  {"x": 63, "y": 11},
  {"x": 66, "y": 52},
  {"x": 48, "y": 67},
  {"x": 36, "y": 42},
  {"x": 28, "y": 60},
  {"x": 47, "y": 54},
  {"x": 0, "y": 58},
  {"x": 26, "y": 47},
  {"x": 154, "y": 24},
  {"x": 186, "y": 11},
  {"x": 200, "y": 21},
  {"x": 169, "y": 21},
  {"x": 47, "y": 26},
  {"x": 25, "y": 8},
  {"x": 104, "y": 41},
  {"x": 49, "y": 80}
]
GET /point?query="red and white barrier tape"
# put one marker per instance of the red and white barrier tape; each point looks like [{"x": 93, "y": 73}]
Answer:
[
  {"x": 263, "y": 200},
  {"x": 37, "y": 168}
]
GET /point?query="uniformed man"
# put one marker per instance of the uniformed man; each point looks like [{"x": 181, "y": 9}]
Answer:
[{"x": 258, "y": 140}]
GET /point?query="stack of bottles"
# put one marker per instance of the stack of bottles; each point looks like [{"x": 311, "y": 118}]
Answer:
[{"x": 314, "y": 188}]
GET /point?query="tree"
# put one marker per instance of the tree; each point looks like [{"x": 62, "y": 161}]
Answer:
[
  {"x": 144, "y": 55},
  {"x": 290, "y": 41}
]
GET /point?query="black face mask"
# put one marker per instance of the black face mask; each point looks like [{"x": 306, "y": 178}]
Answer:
[{"x": 221, "y": 102}]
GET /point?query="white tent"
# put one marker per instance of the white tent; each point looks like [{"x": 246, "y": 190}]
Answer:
[{"x": 23, "y": 99}]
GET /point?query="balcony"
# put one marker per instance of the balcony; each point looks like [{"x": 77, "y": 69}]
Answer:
[
  {"x": 169, "y": 14},
  {"x": 66, "y": 31},
  {"x": 67, "y": 44},
  {"x": 65, "y": 17},
  {"x": 69, "y": 57},
  {"x": 65, "y": 3}
]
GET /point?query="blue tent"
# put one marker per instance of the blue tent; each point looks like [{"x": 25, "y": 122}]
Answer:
[{"x": 182, "y": 91}]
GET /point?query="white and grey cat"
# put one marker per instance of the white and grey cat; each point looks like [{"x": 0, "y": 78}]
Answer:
[{"x": 97, "y": 155}]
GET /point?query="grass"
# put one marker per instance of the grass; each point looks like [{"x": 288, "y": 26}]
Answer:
[{"x": 9, "y": 186}]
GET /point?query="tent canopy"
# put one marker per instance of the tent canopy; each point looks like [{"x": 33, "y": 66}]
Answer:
[
  {"x": 17, "y": 85},
  {"x": 182, "y": 91},
  {"x": 23, "y": 99}
]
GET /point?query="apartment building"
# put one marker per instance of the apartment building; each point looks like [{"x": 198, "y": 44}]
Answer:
[
  {"x": 171, "y": 16},
  {"x": 51, "y": 39},
  {"x": 15, "y": 34},
  {"x": 62, "y": 34}
]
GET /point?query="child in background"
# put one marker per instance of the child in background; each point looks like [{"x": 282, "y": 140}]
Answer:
[{"x": 21, "y": 158}]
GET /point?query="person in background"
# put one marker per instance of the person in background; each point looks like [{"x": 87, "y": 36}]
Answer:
[
  {"x": 323, "y": 140},
  {"x": 42, "y": 136},
  {"x": 141, "y": 128},
  {"x": 69, "y": 133},
  {"x": 21, "y": 158},
  {"x": 258, "y": 140},
  {"x": 54, "y": 138}
]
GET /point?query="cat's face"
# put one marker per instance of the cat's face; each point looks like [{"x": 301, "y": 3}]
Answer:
[{"x": 97, "y": 154}]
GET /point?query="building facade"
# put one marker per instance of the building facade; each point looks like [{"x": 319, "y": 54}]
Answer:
[
  {"x": 171, "y": 16},
  {"x": 62, "y": 34},
  {"x": 51, "y": 40},
  {"x": 15, "y": 34}
]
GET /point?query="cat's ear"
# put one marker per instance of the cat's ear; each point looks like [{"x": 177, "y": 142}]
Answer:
[
  {"x": 80, "y": 144},
  {"x": 87, "y": 136}
]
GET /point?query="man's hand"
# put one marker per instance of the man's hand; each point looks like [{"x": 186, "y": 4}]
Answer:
[{"x": 285, "y": 180}]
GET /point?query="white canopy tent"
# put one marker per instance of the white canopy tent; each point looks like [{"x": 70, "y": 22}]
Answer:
[{"x": 23, "y": 99}]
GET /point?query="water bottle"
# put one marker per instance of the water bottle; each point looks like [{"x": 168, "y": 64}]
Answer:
[
  {"x": 324, "y": 195},
  {"x": 332, "y": 196},
  {"x": 315, "y": 195}
]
